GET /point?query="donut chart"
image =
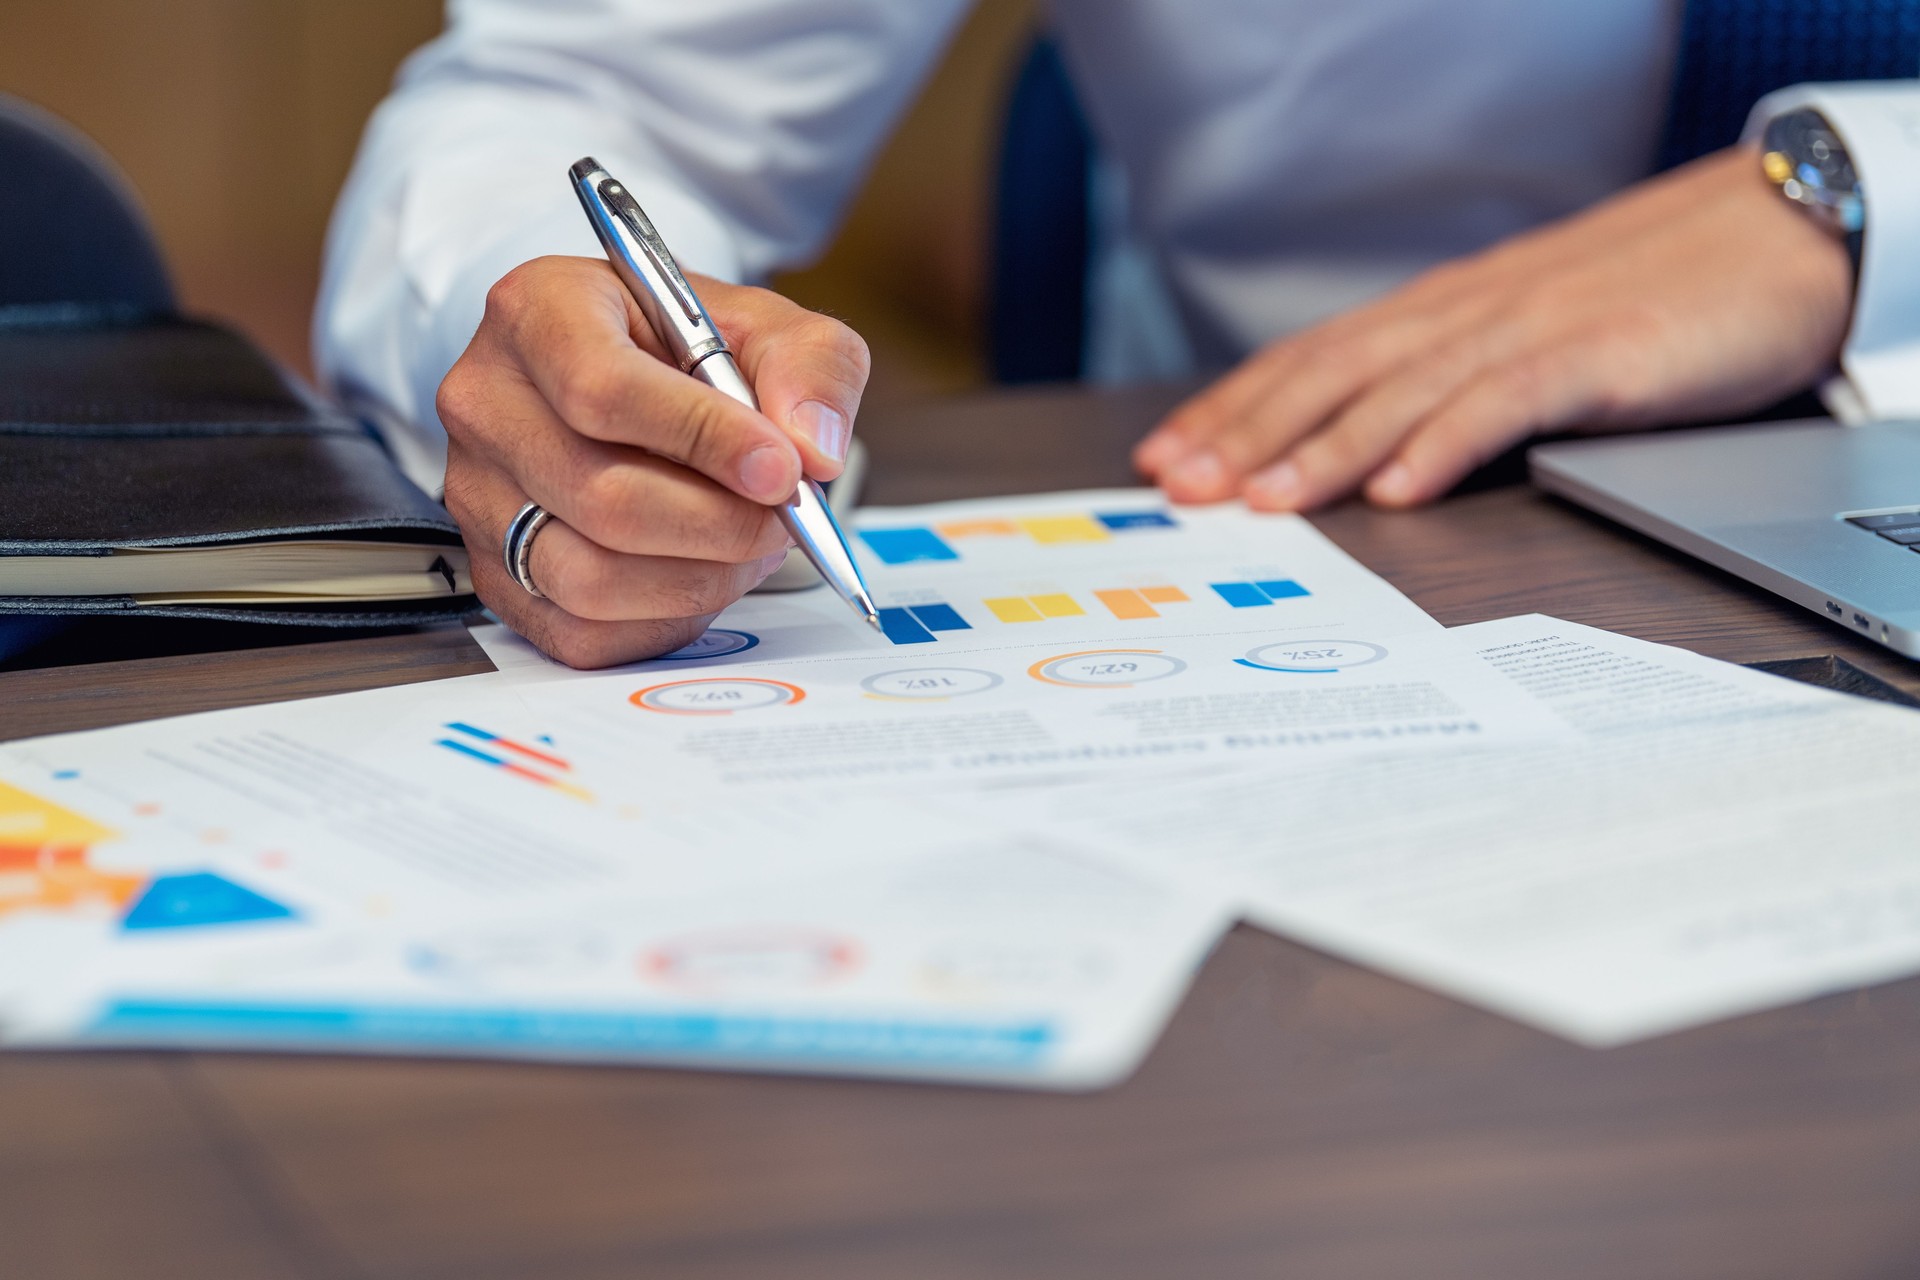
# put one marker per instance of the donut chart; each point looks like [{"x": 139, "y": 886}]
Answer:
[
  {"x": 1106, "y": 668},
  {"x": 1313, "y": 657},
  {"x": 928, "y": 684},
  {"x": 716, "y": 696},
  {"x": 763, "y": 958},
  {"x": 715, "y": 643}
]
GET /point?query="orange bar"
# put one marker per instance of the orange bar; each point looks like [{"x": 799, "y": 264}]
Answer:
[
  {"x": 1165, "y": 595},
  {"x": 1126, "y": 605},
  {"x": 531, "y": 753},
  {"x": 978, "y": 528}
]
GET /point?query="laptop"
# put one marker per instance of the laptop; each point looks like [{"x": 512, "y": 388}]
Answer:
[{"x": 1825, "y": 515}]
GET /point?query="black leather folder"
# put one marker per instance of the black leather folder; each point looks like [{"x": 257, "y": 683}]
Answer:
[{"x": 161, "y": 466}]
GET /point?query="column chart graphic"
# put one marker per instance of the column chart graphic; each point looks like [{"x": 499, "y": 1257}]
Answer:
[
  {"x": 1129, "y": 603},
  {"x": 539, "y": 765},
  {"x": 916, "y": 624},
  {"x": 918, "y": 543},
  {"x": 1255, "y": 595},
  {"x": 905, "y": 546},
  {"x": 1033, "y": 608}
]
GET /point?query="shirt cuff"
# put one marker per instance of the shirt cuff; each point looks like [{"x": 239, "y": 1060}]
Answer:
[{"x": 1879, "y": 121}]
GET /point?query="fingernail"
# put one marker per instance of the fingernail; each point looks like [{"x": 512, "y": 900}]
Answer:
[
  {"x": 1278, "y": 485},
  {"x": 766, "y": 473},
  {"x": 770, "y": 565},
  {"x": 825, "y": 425},
  {"x": 1393, "y": 484}
]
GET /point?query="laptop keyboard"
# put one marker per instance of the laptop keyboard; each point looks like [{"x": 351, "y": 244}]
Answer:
[{"x": 1902, "y": 527}]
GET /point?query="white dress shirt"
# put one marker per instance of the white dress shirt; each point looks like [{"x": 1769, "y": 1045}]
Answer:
[{"x": 1283, "y": 159}]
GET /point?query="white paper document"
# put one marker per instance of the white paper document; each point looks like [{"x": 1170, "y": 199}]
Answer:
[
  {"x": 416, "y": 802},
  {"x": 1058, "y": 633},
  {"x": 1721, "y": 841},
  {"x": 990, "y": 845},
  {"x": 412, "y": 870},
  {"x": 1010, "y": 964},
  {"x": 426, "y": 802}
]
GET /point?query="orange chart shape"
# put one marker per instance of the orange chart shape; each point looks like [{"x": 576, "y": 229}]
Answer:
[{"x": 43, "y": 858}]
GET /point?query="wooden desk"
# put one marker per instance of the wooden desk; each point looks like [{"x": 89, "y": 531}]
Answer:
[{"x": 1301, "y": 1118}]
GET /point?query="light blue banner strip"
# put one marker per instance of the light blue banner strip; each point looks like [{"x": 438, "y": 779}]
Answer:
[{"x": 707, "y": 1035}]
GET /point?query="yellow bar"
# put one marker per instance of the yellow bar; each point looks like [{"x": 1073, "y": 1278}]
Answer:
[
  {"x": 1065, "y": 529},
  {"x": 1126, "y": 605},
  {"x": 1057, "y": 606},
  {"x": 978, "y": 528},
  {"x": 1012, "y": 609},
  {"x": 1165, "y": 595}
]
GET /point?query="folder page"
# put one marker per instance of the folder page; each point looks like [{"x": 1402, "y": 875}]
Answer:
[
  {"x": 1005, "y": 963},
  {"x": 1043, "y": 636},
  {"x": 1717, "y": 841}
]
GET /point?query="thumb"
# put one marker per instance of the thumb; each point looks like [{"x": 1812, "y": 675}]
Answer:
[{"x": 808, "y": 370}]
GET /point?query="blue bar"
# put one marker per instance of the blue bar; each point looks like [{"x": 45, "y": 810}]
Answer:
[
  {"x": 1137, "y": 520},
  {"x": 466, "y": 750},
  {"x": 940, "y": 617},
  {"x": 1241, "y": 595},
  {"x": 903, "y": 628},
  {"x": 700, "y": 1034},
  {"x": 1282, "y": 589},
  {"x": 471, "y": 732},
  {"x": 904, "y": 546}
]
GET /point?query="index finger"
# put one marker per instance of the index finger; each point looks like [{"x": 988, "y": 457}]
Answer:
[
  {"x": 808, "y": 369},
  {"x": 571, "y": 331}
]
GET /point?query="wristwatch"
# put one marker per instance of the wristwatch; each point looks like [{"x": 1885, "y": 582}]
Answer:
[{"x": 1805, "y": 159}]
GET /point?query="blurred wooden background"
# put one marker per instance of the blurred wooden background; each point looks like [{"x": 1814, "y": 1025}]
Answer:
[{"x": 191, "y": 96}]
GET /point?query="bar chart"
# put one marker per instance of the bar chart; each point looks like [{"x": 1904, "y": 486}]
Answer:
[
  {"x": 919, "y": 543},
  {"x": 916, "y": 624},
  {"x": 539, "y": 765},
  {"x": 1257, "y": 595},
  {"x": 924, "y": 623}
]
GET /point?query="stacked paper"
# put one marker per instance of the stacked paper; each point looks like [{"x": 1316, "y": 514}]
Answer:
[{"x": 992, "y": 846}]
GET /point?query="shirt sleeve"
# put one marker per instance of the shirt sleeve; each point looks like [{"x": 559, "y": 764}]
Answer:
[
  {"x": 1879, "y": 121},
  {"x": 742, "y": 126}
]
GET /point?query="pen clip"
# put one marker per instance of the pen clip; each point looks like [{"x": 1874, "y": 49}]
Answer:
[{"x": 628, "y": 210}]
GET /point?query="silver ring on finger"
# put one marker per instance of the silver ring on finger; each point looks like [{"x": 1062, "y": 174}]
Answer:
[{"x": 517, "y": 548}]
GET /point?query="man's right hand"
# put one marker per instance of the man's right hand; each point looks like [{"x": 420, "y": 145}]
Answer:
[{"x": 661, "y": 489}]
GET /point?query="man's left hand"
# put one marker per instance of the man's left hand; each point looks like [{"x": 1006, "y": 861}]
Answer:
[{"x": 1697, "y": 294}]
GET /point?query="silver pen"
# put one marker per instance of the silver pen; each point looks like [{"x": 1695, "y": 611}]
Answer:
[{"x": 641, "y": 260}]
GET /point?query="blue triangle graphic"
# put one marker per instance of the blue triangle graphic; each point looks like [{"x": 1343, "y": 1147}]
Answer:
[{"x": 199, "y": 898}]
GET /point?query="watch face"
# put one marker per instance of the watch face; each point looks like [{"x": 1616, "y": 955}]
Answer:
[{"x": 1806, "y": 158}]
